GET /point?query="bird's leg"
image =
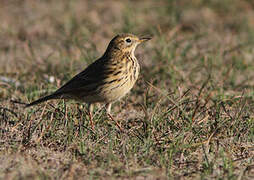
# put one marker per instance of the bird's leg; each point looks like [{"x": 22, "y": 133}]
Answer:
[
  {"x": 108, "y": 109},
  {"x": 90, "y": 114}
]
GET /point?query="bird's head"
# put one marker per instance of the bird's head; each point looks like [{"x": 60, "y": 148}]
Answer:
[{"x": 125, "y": 43}]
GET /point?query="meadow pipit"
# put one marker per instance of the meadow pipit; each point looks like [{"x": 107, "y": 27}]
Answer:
[{"x": 107, "y": 79}]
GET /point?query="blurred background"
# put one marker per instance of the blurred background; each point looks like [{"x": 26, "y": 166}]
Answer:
[
  {"x": 192, "y": 105},
  {"x": 192, "y": 39}
]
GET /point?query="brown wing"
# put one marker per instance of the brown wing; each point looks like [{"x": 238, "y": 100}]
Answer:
[{"x": 87, "y": 80}]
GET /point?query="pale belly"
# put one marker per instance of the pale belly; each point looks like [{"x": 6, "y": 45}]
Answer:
[
  {"x": 110, "y": 94},
  {"x": 118, "y": 92},
  {"x": 107, "y": 95}
]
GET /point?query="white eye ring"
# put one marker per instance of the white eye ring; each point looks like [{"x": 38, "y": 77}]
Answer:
[{"x": 128, "y": 40}]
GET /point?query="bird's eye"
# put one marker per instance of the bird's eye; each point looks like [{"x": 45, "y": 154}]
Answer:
[{"x": 128, "y": 40}]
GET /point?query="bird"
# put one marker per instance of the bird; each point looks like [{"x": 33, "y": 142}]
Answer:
[{"x": 107, "y": 79}]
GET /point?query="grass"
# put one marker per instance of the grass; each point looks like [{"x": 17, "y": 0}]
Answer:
[{"x": 189, "y": 116}]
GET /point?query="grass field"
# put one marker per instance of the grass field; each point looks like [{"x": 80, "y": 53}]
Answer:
[{"x": 189, "y": 116}]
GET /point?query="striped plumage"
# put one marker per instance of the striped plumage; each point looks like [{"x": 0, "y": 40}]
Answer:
[{"x": 108, "y": 78}]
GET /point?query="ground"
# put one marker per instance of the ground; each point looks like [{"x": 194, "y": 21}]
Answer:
[{"x": 189, "y": 116}]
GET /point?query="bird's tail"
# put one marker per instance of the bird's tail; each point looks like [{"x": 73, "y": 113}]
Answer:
[{"x": 52, "y": 96}]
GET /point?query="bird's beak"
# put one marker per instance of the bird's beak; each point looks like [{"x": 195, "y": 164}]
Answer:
[{"x": 144, "y": 39}]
